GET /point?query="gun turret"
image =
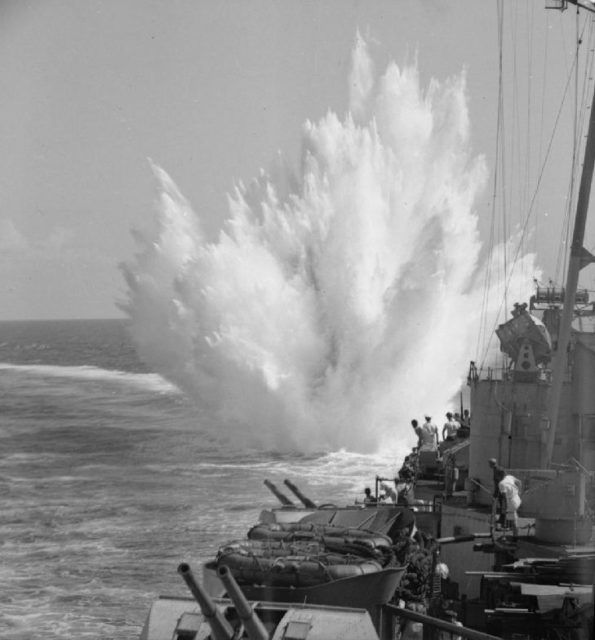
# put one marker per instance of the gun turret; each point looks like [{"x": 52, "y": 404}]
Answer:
[
  {"x": 252, "y": 623},
  {"x": 524, "y": 331},
  {"x": 283, "y": 499},
  {"x": 220, "y": 627},
  {"x": 303, "y": 499}
]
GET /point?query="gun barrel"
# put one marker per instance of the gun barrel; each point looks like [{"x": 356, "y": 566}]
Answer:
[
  {"x": 304, "y": 499},
  {"x": 220, "y": 627},
  {"x": 252, "y": 623},
  {"x": 283, "y": 499},
  {"x": 464, "y": 538}
]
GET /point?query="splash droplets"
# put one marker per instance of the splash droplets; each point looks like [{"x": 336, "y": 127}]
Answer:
[{"x": 327, "y": 317}]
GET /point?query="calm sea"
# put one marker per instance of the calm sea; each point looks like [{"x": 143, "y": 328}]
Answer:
[{"x": 107, "y": 482}]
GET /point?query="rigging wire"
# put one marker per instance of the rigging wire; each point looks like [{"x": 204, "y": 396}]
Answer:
[
  {"x": 543, "y": 101},
  {"x": 491, "y": 238},
  {"x": 531, "y": 208},
  {"x": 528, "y": 166},
  {"x": 523, "y": 144}
]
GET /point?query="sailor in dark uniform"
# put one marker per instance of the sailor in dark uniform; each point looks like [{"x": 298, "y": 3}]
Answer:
[
  {"x": 498, "y": 475},
  {"x": 369, "y": 499}
]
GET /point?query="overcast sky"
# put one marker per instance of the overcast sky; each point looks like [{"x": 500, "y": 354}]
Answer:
[{"x": 211, "y": 91}]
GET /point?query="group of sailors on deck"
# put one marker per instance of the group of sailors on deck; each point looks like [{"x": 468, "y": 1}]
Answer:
[
  {"x": 401, "y": 493},
  {"x": 456, "y": 426}
]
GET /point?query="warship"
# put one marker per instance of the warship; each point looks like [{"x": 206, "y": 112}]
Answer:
[{"x": 308, "y": 571}]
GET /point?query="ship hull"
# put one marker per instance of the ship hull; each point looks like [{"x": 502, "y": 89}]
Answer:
[{"x": 364, "y": 591}]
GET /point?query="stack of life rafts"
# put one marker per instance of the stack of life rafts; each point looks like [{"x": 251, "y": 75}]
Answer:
[{"x": 305, "y": 554}]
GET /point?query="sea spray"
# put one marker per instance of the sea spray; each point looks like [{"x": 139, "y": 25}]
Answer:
[{"x": 327, "y": 316}]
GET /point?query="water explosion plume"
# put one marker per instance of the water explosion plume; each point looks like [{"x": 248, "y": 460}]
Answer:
[{"x": 326, "y": 317}]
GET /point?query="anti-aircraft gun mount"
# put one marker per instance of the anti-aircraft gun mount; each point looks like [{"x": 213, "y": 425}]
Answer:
[
  {"x": 530, "y": 340},
  {"x": 526, "y": 340}
]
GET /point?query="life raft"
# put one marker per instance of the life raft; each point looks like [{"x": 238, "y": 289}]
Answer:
[
  {"x": 367, "y": 544},
  {"x": 305, "y": 530},
  {"x": 276, "y": 564}
]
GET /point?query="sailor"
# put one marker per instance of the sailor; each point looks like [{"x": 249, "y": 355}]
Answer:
[
  {"x": 389, "y": 493},
  {"x": 457, "y": 419},
  {"x": 510, "y": 487},
  {"x": 465, "y": 421},
  {"x": 369, "y": 498},
  {"x": 404, "y": 482},
  {"x": 407, "y": 470},
  {"x": 498, "y": 475},
  {"x": 418, "y": 432},
  {"x": 429, "y": 435},
  {"x": 451, "y": 472},
  {"x": 403, "y": 526},
  {"x": 450, "y": 428},
  {"x": 404, "y": 490}
]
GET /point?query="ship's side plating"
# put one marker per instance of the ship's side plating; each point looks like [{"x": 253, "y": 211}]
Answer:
[
  {"x": 510, "y": 422},
  {"x": 510, "y": 413}
]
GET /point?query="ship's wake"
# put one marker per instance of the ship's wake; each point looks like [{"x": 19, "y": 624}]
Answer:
[{"x": 326, "y": 316}]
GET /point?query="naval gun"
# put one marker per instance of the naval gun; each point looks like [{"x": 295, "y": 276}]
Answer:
[
  {"x": 221, "y": 629},
  {"x": 309, "y": 504},
  {"x": 255, "y": 629},
  {"x": 283, "y": 499},
  {"x": 235, "y": 617}
]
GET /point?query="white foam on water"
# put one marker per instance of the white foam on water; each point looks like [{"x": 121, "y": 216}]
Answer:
[
  {"x": 326, "y": 317},
  {"x": 148, "y": 381}
]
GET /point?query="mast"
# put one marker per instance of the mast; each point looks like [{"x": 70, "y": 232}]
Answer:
[{"x": 579, "y": 258}]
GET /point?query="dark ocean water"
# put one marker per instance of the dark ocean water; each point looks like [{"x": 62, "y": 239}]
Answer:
[{"x": 107, "y": 482}]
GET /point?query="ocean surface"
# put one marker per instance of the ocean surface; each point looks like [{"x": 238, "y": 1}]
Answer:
[{"x": 108, "y": 482}]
